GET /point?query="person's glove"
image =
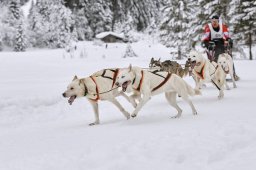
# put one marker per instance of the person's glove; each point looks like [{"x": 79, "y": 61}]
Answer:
[{"x": 203, "y": 44}]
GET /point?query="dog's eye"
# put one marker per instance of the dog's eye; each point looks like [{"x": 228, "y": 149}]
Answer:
[
  {"x": 122, "y": 77},
  {"x": 71, "y": 88}
]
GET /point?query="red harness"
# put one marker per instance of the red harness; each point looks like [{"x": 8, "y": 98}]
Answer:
[
  {"x": 142, "y": 76},
  {"x": 201, "y": 73},
  {"x": 97, "y": 90},
  {"x": 163, "y": 82},
  {"x": 114, "y": 77}
]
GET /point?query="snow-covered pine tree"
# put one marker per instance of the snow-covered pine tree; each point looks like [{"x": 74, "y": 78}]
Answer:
[
  {"x": 38, "y": 23},
  {"x": 214, "y": 7},
  {"x": 129, "y": 52},
  {"x": 60, "y": 26},
  {"x": 20, "y": 38},
  {"x": 243, "y": 17},
  {"x": 83, "y": 29},
  {"x": 11, "y": 17},
  {"x": 99, "y": 16},
  {"x": 174, "y": 30},
  {"x": 50, "y": 24}
]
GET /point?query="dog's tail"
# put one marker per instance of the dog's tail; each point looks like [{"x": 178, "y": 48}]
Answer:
[{"x": 191, "y": 91}]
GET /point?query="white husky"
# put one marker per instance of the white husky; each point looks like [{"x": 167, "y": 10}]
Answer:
[
  {"x": 226, "y": 63},
  {"x": 205, "y": 71},
  {"x": 97, "y": 87},
  {"x": 152, "y": 83}
]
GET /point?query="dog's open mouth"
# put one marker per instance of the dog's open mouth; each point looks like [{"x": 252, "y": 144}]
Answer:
[
  {"x": 71, "y": 99},
  {"x": 125, "y": 85},
  {"x": 193, "y": 63}
]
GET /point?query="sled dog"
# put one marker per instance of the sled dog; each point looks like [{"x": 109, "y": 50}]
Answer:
[
  {"x": 170, "y": 66},
  {"x": 152, "y": 83},
  {"x": 205, "y": 71},
  {"x": 225, "y": 61},
  {"x": 99, "y": 86}
]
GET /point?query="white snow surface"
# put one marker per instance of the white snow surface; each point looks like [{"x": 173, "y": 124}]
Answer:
[{"x": 39, "y": 130}]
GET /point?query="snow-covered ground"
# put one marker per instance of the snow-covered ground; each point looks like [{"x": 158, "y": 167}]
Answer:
[{"x": 40, "y": 131}]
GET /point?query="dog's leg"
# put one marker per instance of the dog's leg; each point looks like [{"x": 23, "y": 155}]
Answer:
[
  {"x": 129, "y": 99},
  {"x": 136, "y": 96},
  {"x": 171, "y": 98},
  {"x": 142, "y": 102},
  {"x": 96, "y": 113},
  {"x": 186, "y": 98},
  {"x": 117, "y": 104},
  {"x": 226, "y": 84},
  {"x": 233, "y": 79},
  {"x": 221, "y": 91}
]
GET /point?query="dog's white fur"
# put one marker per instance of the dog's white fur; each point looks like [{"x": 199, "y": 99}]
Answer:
[
  {"x": 78, "y": 88},
  {"x": 210, "y": 72},
  {"x": 225, "y": 61},
  {"x": 130, "y": 78}
]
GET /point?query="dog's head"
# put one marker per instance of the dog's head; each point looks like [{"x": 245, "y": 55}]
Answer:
[
  {"x": 195, "y": 58},
  {"x": 75, "y": 89},
  {"x": 154, "y": 63},
  {"x": 223, "y": 62},
  {"x": 124, "y": 78}
]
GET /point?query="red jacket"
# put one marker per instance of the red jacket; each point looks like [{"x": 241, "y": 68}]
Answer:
[{"x": 207, "y": 32}]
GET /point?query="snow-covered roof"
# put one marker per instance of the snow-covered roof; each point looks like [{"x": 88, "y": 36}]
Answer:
[{"x": 104, "y": 34}]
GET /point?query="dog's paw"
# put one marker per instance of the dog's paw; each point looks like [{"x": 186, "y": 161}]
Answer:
[
  {"x": 176, "y": 116},
  {"x": 128, "y": 116},
  {"x": 94, "y": 123},
  {"x": 194, "y": 113},
  {"x": 220, "y": 97},
  {"x": 133, "y": 115}
]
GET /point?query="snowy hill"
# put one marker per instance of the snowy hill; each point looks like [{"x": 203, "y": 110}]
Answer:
[{"x": 39, "y": 130}]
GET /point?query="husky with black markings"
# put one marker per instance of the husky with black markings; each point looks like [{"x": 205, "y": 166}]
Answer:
[
  {"x": 152, "y": 83},
  {"x": 99, "y": 86}
]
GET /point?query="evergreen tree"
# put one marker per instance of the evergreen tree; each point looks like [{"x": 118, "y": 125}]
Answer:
[
  {"x": 84, "y": 31},
  {"x": 11, "y": 17},
  {"x": 129, "y": 52},
  {"x": 176, "y": 25},
  {"x": 50, "y": 24},
  {"x": 244, "y": 22},
  {"x": 20, "y": 39}
]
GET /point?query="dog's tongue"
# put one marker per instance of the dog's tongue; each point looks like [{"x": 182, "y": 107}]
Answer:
[
  {"x": 193, "y": 65},
  {"x": 71, "y": 99},
  {"x": 124, "y": 86}
]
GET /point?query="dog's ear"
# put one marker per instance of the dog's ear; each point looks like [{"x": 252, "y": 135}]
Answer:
[
  {"x": 159, "y": 59},
  {"x": 152, "y": 59},
  {"x": 75, "y": 78},
  {"x": 130, "y": 67}
]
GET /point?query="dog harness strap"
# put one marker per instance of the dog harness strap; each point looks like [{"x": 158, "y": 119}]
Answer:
[
  {"x": 104, "y": 72},
  {"x": 142, "y": 76},
  {"x": 201, "y": 73},
  {"x": 97, "y": 90},
  {"x": 163, "y": 82},
  {"x": 114, "y": 77}
]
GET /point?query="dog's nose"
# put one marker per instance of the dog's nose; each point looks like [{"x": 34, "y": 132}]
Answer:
[
  {"x": 117, "y": 84},
  {"x": 64, "y": 94}
]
